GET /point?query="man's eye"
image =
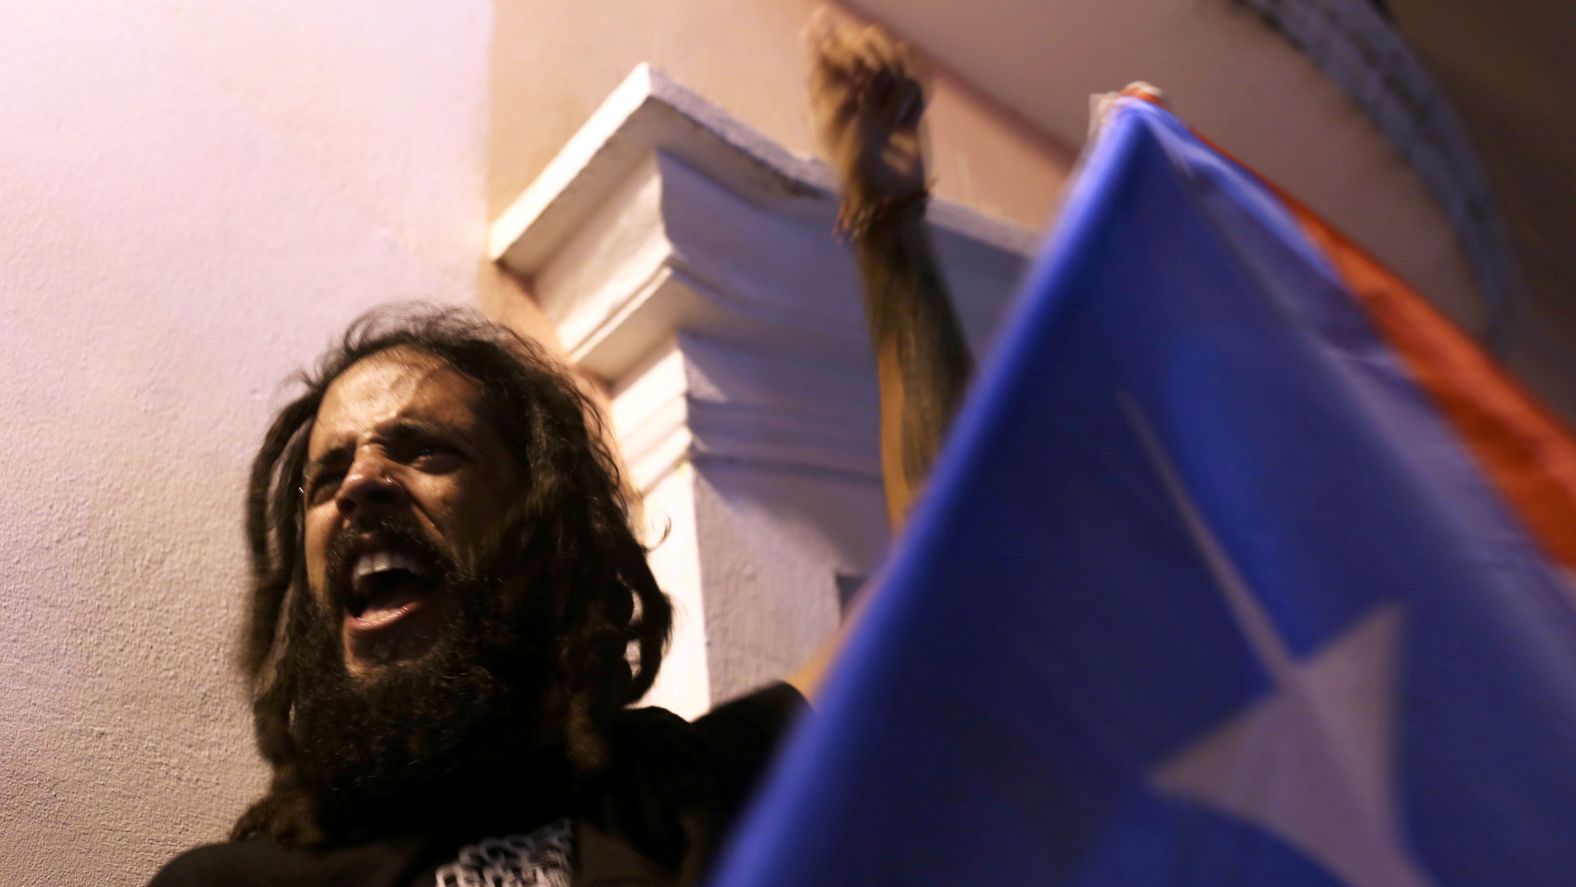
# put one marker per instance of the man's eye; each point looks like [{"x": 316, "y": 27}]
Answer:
[
  {"x": 320, "y": 488},
  {"x": 431, "y": 452}
]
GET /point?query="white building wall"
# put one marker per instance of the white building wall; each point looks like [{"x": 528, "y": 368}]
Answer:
[{"x": 193, "y": 197}]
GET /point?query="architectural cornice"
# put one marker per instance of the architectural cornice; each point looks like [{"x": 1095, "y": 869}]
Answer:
[
  {"x": 681, "y": 253},
  {"x": 689, "y": 262},
  {"x": 663, "y": 213}
]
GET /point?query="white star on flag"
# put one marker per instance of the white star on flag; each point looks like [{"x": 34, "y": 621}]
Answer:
[{"x": 1313, "y": 762}]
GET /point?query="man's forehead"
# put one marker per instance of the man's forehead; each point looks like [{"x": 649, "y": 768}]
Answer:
[{"x": 393, "y": 385}]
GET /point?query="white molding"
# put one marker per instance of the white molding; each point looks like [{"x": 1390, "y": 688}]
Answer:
[
  {"x": 689, "y": 262},
  {"x": 700, "y": 399},
  {"x": 665, "y": 213},
  {"x": 650, "y": 418},
  {"x": 646, "y": 112}
]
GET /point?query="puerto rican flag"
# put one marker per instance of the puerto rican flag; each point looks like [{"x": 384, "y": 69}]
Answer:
[{"x": 1242, "y": 566}]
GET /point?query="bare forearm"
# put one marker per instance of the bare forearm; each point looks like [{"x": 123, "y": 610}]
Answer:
[
  {"x": 923, "y": 368},
  {"x": 922, "y": 361},
  {"x": 867, "y": 97}
]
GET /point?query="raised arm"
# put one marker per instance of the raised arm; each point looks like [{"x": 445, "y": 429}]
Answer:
[{"x": 868, "y": 97}]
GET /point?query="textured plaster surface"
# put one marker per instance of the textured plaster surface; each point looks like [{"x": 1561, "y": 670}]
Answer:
[{"x": 193, "y": 196}]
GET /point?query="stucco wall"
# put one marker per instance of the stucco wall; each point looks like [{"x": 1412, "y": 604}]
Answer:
[{"x": 192, "y": 196}]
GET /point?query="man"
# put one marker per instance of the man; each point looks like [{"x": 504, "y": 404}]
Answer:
[
  {"x": 450, "y": 612},
  {"x": 445, "y": 588}
]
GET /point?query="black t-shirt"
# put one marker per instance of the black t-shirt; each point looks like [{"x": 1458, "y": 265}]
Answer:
[{"x": 671, "y": 787}]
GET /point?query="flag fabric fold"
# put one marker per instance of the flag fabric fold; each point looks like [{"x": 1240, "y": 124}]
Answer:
[{"x": 1241, "y": 567}]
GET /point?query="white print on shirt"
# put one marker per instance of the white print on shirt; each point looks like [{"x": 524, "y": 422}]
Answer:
[{"x": 541, "y": 859}]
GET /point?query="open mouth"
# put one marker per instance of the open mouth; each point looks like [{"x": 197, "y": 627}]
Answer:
[{"x": 385, "y": 586}]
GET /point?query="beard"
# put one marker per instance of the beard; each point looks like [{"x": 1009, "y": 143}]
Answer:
[{"x": 417, "y": 737}]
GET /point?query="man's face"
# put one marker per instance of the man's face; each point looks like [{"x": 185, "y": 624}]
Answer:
[{"x": 405, "y": 481}]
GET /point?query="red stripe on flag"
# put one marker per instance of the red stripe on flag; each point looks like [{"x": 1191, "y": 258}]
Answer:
[{"x": 1525, "y": 450}]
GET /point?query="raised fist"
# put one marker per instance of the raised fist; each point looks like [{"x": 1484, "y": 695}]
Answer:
[{"x": 867, "y": 95}]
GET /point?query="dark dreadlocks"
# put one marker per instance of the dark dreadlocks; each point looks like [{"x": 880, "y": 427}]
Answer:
[{"x": 589, "y": 574}]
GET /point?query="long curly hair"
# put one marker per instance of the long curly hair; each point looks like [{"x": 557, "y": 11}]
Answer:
[{"x": 612, "y": 620}]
